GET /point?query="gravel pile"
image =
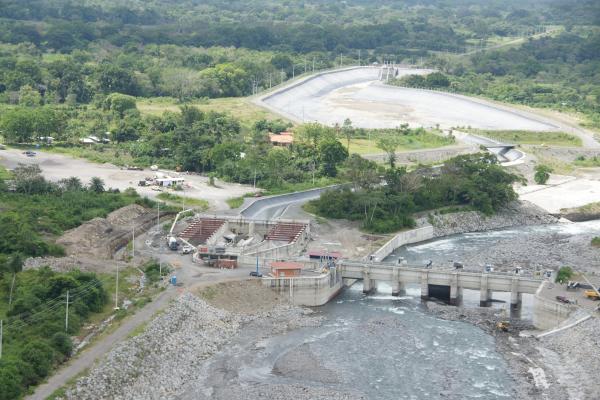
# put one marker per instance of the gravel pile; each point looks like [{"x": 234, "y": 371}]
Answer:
[
  {"x": 573, "y": 356},
  {"x": 169, "y": 357},
  {"x": 158, "y": 362},
  {"x": 516, "y": 214}
]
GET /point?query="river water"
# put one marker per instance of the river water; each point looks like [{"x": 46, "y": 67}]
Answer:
[
  {"x": 377, "y": 346},
  {"x": 386, "y": 347}
]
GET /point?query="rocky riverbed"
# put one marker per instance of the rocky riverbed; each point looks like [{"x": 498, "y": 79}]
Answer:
[
  {"x": 561, "y": 366},
  {"x": 162, "y": 361},
  {"x": 195, "y": 350},
  {"x": 518, "y": 213}
]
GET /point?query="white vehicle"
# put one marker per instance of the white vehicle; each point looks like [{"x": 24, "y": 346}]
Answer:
[{"x": 187, "y": 249}]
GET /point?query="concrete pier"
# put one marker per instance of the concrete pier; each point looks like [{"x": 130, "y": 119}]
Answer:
[
  {"x": 424, "y": 285},
  {"x": 455, "y": 292},
  {"x": 485, "y": 294},
  {"x": 515, "y": 295},
  {"x": 398, "y": 288},
  {"x": 369, "y": 285}
]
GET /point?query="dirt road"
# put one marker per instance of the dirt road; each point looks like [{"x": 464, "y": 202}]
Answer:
[{"x": 88, "y": 357}]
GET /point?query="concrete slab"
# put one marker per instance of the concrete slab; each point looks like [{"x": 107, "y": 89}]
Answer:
[{"x": 569, "y": 193}]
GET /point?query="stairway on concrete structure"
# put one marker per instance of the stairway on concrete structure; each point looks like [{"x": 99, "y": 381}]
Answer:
[
  {"x": 201, "y": 229},
  {"x": 286, "y": 232}
]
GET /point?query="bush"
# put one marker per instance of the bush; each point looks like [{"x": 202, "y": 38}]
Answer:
[
  {"x": 40, "y": 356},
  {"x": 564, "y": 274},
  {"x": 62, "y": 343},
  {"x": 596, "y": 241},
  {"x": 9, "y": 382},
  {"x": 152, "y": 270},
  {"x": 542, "y": 174}
]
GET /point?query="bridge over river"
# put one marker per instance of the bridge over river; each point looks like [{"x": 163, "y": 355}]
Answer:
[
  {"x": 447, "y": 284},
  {"x": 440, "y": 283}
]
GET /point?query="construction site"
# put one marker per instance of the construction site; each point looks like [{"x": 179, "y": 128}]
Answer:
[{"x": 227, "y": 242}]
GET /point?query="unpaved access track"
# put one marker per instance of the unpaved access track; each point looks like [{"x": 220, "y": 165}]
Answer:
[{"x": 57, "y": 166}]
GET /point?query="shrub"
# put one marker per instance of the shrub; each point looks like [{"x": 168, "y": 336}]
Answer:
[
  {"x": 40, "y": 356},
  {"x": 564, "y": 274},
  {"x": 542, "y": 174},
  {"x": 62, "y": 343},
  {"x": 596, "y": 241}
]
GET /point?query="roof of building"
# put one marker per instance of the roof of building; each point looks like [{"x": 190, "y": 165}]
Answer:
[
  {"x": 283, "y": 137},
  {"x": 285, "y": 265}
]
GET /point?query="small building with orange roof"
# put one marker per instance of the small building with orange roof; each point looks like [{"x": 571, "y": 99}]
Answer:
[
  {"x": 285, "y": 269},
  {"x": 283, "y": 139}
]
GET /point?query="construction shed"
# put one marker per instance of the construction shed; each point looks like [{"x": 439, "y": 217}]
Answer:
[{"x": 285, "y": 269}]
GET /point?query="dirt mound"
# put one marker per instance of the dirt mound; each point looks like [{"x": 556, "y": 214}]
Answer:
[
  {"x": 101, "y": 237},
  {"x": 124, "y": 216},
  {"x": 246, "y": 296}
]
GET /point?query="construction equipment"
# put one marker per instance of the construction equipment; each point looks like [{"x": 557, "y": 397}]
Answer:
[
  {"x": 502, "y": 326},
  {"x": 592, "y": 294},
  {"x": 172, "y": 243}
]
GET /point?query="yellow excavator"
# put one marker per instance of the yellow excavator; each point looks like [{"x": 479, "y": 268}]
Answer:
[
  {"x": 504, "y": 324},
  {"x": 592, "y": 294}
]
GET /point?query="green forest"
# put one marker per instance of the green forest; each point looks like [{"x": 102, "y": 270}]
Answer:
[
  {"x": 71, "y": 70},
  {"x": 32, "y": 303},
  {"x": 473, "y": 182},
  {"x": 561, "y": 72}
]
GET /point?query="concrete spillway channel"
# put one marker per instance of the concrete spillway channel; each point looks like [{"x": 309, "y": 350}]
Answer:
[{"x": 359, "y": 94}]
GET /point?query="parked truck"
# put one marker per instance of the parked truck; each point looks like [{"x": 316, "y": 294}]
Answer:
[{"x": 172, "y": 242}]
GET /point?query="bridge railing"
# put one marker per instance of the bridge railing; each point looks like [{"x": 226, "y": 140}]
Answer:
[{"x": 524, "y": 274}]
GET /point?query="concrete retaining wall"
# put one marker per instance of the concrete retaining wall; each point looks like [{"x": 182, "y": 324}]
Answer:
[
  {"x": 308, "y": 291},
  {"x": 402, "y": 238},
  {"x": 548, "y": 313}
]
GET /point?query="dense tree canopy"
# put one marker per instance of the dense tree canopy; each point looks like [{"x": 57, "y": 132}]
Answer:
[{"x": 475, "y": 181}]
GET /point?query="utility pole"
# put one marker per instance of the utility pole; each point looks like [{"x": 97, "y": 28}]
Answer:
[
  {"x": 313, "y": 65},
  {"x": 133, "y": 248},
  {"x": 158, "y": 217},
  {"x": 341, "y": 60},
  {"x": 293, "y": 71},
  {"x": 270, "y": 82},
  {"x": 160, "y": 268},
  {"x": 359, "y": 64},
  {"x": 305, "y": 65},
  {"x": 117, "y": 290},
  {"x": 12, "y": 285},
  {"x": 67, "y": 314}
]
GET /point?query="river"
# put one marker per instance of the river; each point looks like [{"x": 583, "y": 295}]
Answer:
[{"x": 380, "y": 346}]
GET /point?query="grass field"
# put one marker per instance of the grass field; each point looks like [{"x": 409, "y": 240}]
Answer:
[
  {"x": 427, "y": 140},
  {"x": 235, "y": 202},
  {"x": 200, "y": 204},
  {"x": 239, "y": 107},
  {"x": 4, "y": 174},
  {"x": 532, "y": 138},
  {"x": 583, "y": 161},
  {"x": 100, "y": 154}
]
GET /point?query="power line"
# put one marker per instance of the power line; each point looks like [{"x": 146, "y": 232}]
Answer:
[{"x": 52, "y": 306}]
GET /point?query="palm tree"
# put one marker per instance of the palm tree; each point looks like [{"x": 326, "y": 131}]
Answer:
[{"x": 96, "y": 185}]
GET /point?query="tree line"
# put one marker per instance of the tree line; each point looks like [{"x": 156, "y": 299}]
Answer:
[{"x": 384, "y": 200}]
